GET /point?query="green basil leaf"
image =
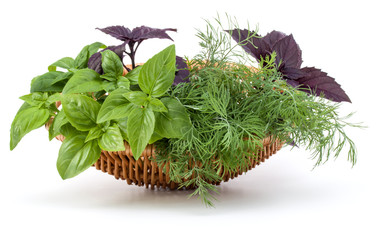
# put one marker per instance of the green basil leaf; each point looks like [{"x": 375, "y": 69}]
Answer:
[
  {"x": 24, "y": 106},
  {"x": 54, "y": 98},
  {"x": 63, "y": 78},
  {"x": 81, "y": 61},
  {"x": 94, "y": 133},
  {"x": 141, "y": 123},
  {"x": 67, "y": 130},
  {"x": 174, "y": 123},
  {"x": 76, "y": 155},
  {"x": 109, "y": 76},
  {"x": 94, "y": 47},
  {"x": 50, "y": 131},
  {"x": 35, "y": 99},
  {"x": 25, "y": 121},
  {"x": 156, "y": 105},
  {"x": 115, "y": 106},
  {"x": 123, "y": 82},
  {"x": 105, "y": 125},
  {"x": 133, "y": 76},
  {"x": 84, "y": 80},
  {"x": 48, "y": 82},
  {"x": 57, "y": 123},
  {"x": 137, "y": 97},
  {"x": 112, "y": 140},
  {"x": 66, "y": 63},
  {"x": 158, "y": 73},
  {"x": 81, "y": 111},
  {"x": 155, "y": 137},
  {"x": 122, "y": 123},
  {"x": 111, "y": 63},
  {"x": 109, "y": 86}
]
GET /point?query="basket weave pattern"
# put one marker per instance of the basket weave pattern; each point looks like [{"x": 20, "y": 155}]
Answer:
[{"x": 146, "y": 172}]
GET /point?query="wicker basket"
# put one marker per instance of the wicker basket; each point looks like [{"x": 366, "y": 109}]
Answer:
[{"x": 145, "y": 171}]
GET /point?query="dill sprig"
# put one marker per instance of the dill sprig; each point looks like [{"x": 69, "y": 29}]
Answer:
[{"x": 233, "y": 104}]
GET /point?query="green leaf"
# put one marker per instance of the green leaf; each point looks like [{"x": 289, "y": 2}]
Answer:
[
  {"x": 111, "y": 63},
  {"x": 158, "y": 73},
  {"x": 54, "y": 98},
  {"x": 155, "y": 137},
  {"x": 48, "y": 82},
  {"x": 112, "y": 140},
  {"x": 94, "y": 133},
  {"x": 67, "y": 130},
  {"x": 133, "y": 76},
  {"x": 109, "y": 86},
  {"x": 76, "y": 155},
  {"x": 122, "y": 123},
  {"x": 157, "y": 106},
  {"x": 84, "y": 80},
  {"x": 123, "y": 82},
  {"x": 24, "y": 106},
  {"x": 66, "y": 63},
  {"x": 35, "y": 99},
  {"x": 81, "y": 111},
  {"x": 39, "y": 99},
  {"x": 115, "y": 106},
  {"x": 109, "y": 76},
  {"x": 58, "y": 122},
  {"x": 81, "y": 61},
  {"x": 141, "y": 123},
  {"x": 105, "y": 125},
  {"x": 137, "y": 97},
  {"x": 25, "y": 121},
  {"x": 94, "y": 47},
  {"x": 174, "y": 123}
]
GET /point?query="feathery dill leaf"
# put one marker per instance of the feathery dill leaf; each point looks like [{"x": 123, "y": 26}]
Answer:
[{"x": 233, "y": 106}]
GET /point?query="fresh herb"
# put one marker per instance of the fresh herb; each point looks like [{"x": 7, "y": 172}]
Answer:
[
  {"x": 207, "y": 116},
  {"x": 182, "y": 72},
  {"x": 135, "y": 37},
  {"x": 232, "y": 107},
  {"x": 288, "y": 61},
  {"x": 93, "y": 122}
]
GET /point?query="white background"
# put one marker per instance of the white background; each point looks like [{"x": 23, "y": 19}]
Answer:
[{"x": 281, "y": 199}]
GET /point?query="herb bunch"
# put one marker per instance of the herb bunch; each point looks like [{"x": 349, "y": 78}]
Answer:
[
  {"x": 233, "y": 106},
  {"x": 206, "y": 116}
]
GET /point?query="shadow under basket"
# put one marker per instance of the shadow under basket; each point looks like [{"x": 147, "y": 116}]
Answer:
[{"x": 146, "y": 172}]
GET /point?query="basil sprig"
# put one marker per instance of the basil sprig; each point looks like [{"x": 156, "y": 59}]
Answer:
[{"x": 101, "y": 111}]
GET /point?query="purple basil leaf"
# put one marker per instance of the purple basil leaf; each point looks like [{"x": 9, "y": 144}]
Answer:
[
  {"x": 182, "y": 71},
  {"x": 293, "y": 83},
  {"x": 240, "y": 35},
  {"x": 258, "y": 47},
  {"x": 288, "y": 52},
  {"x": 314, "y": 72},
  {"x": 143, "y": 33},
  {"x": 95, "y": 60},
  {"x": 137, "y": 34},
  {"x": 292, "y": 73},
  {"x": 273, "y": 37},
  {"x": 120, "y": 32},
  {"x": 319, "y": 82}
]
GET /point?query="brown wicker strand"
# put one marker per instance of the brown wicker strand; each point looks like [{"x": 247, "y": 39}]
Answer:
[{"x": 145, "y": 171}]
